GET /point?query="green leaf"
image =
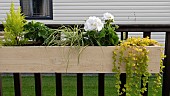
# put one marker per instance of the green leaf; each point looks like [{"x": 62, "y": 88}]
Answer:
[
  {"x": 102, "y": 34},
  {"x": 116, "y": 26},
  {"x": 110, "y": 29},
  {"x": 112, "y": 41}
]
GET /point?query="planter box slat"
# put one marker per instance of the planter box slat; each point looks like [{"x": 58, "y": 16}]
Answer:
[{"x": 93, "y": 59}]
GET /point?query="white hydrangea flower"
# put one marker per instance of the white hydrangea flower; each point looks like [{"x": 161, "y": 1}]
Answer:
[
  {"x": 108, "y": 16},
  {"x": 93, "y": 23}
]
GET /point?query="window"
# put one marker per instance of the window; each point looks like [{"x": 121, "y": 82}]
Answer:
[{"x": 37, "y": 9}]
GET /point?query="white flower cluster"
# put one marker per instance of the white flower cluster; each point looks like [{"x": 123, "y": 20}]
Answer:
[
  {"x": 108, "y": 16},
  {"x": 94, "y": 23}
]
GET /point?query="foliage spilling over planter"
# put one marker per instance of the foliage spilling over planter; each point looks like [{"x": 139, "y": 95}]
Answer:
[
  {"x": 134, "y": 55},
  {"x": 96, "y": 48}
]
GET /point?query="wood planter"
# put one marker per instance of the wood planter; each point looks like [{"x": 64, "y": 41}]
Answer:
[{"x": 92, "y": 59}]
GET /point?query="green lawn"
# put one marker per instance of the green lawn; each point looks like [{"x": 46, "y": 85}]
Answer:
[{"x": 69, "y": 86}]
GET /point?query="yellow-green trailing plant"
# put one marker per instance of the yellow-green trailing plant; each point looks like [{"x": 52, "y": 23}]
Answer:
[
  {"x": 133, "y": 53},
  {"x": 14, "y": 27}
]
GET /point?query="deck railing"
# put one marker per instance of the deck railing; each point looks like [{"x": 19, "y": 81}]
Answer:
[{"x": 146, "y": 29}]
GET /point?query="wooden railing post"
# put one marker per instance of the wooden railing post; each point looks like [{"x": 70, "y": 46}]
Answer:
[{"x": 166, "y": 74}]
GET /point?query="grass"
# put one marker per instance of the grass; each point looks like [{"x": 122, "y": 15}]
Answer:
[{"x": 90, "y": 85}]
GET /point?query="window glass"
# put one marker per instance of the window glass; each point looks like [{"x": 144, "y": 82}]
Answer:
[{"x": 37, "y": 8}]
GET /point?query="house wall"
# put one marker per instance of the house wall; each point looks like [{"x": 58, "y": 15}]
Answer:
[
  {"x": 5, "y": 7},
  {"x": 125, "y": 11}
]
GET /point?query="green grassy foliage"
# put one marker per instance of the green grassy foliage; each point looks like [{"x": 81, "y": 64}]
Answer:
[{"x": 90, "y": 86}]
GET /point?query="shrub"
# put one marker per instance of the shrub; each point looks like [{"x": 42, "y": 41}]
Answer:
[
  {"x": 37, "y": 32},
  {"x": 14, "y": 27}
]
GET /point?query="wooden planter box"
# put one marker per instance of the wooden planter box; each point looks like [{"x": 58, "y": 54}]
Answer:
[{"x": 93, "y": 59}]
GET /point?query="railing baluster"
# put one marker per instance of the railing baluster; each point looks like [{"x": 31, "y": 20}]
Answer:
[
  {"x": 0, "y": 84},
  {"x": 123, "y": 82},
  {"x": 38, "y": 84},
  {"x": 121, "y": 36},
  {"x": 79, "y": 84},
  {"x": 101, "y": 84},
  {"x": 124, "y": 35},
  {"x": 58, "y": 78},
  {"x": 17, "y": 84},
  {"x": 166, "y": 74},
  {"x": 145, "y": 34}
]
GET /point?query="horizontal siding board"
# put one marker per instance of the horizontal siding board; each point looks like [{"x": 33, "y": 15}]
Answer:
[
  {"x": 9, "y": 1},
  {"x": 6, "y": 5},
  {"x": 111, "y": 7},
  {"x": 117, "y": 18},
  {"x": 72, "y": 1},
  {"x": 142, "y": 22},
  {"x": 158, "y": 33},
  {"x": 4, "y": 12},
  {"x": 114, "y": 4},
  {"x": 110, "y": 11},
  {"x": 2, "y": 18},
  {"x": 8, "y": 8},
  {"x": 158, "y": 37},
  {"x": 82, "y": 22},
  {"x": 117, "y": 22},
  {"x": 115, "y": 14},
  {"x": 134, "y": 34}
]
